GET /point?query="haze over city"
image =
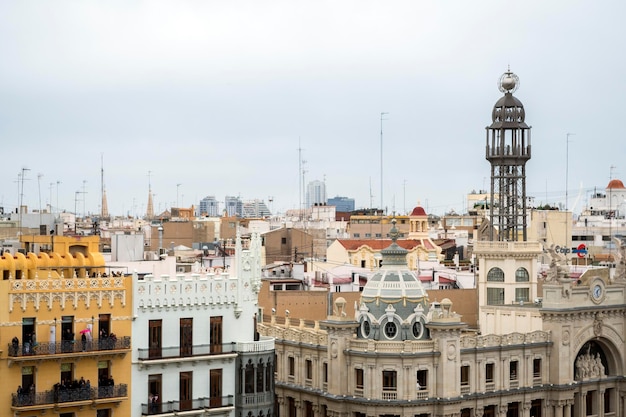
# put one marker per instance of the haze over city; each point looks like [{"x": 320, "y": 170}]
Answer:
[{"x": 211, "y": 98}]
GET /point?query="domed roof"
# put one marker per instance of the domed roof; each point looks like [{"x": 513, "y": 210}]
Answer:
[
  {"x": 395, "y": 295},
  {"x": 418, "y": 211},
  {"x": 508, "y": 112},
  {"x": 615, "y": 184}
]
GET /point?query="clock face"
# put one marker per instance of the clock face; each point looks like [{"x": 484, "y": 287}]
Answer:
[{"x": 597, "y": 293}]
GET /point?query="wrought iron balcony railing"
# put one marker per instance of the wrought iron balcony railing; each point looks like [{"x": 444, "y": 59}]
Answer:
[
  {"x": 186, "y": 405},
  {"x": 182, "y": 351},
  {"x": 66, "y": 395},
  {"x": 68, "y": 346}
]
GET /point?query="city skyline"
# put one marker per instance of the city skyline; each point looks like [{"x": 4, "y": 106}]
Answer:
[{"x": 205, "y": 99}]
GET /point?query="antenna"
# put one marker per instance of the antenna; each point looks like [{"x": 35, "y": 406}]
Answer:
[
  {"x": 382, "y": 114},
  {"x": 567, "y": 219},
  {"x": 20, "y": 185}
]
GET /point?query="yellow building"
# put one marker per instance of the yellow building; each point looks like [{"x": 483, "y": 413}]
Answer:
[{"x": 65, "y": 330}]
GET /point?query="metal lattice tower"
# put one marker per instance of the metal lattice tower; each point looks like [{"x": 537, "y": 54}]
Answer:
[{"x": 508, "y": 149}]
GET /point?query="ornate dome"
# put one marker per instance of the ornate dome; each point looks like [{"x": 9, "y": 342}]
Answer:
[
  {"x": 394, "y": 303},
  {"x": 615, "y": 184}
]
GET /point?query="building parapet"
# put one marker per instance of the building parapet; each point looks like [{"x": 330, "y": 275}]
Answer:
[
  {"x": 494, "y": 340},
  {"x": 186, "y": 290},
  {"x": 44, "y": 292},
  {"x": 488, "y": 247},
  {"x": 407, "y": 346},
  {"x": 314, "y": 336}
]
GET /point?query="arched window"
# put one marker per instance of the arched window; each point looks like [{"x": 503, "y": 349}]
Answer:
[
  {"x": 495, "y": 275},
  {"x": 521, "y": 275},
  {"x": 249, "y": 384},
  {"x": 259, "y": 376}
]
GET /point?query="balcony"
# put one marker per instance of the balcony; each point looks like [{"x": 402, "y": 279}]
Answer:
[
  {"x": 422, "y": 394},
  {"x": 199, "y": 404},
  {"x": 68, "y": 397},
  {"x": 178, "y": 352},
  {"x": 69, "y": 348},
  {"x": 257, "y": 398},
  {"x": 390, "y": 395},
  {"x": 264, "y": 345}
]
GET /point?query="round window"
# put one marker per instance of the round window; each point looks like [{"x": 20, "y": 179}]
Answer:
[
  {"x": 390, "y": 329},
  {"x": 365, "y": 328},
  {"x": 417, "y": 329}
]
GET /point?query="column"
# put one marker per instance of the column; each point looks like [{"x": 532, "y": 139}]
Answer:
[
  {"x": 281, "y": 407},
  {"x": 558, "y": 409},
  {"x": 582, "y": 406},
  {"x": 409, "y": 389},
  {"x": 567, "y": 412},
  {"x": 371, "y": 390}
]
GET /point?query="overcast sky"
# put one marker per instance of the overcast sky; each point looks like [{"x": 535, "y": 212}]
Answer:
[{"x": 218, "y": 96}]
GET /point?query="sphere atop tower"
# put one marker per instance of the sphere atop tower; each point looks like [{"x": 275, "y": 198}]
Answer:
[
  {"x": 509, "y": 82},
  {"x": 508, "y": 112}
]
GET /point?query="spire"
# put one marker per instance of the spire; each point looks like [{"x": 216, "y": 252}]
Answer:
[
  {"x": 150, "y": 209},
  {"x": 105, "y": 207}
]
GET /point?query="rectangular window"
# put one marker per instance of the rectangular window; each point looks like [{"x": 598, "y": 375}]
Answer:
[
  {"x": 537, "y": 368},
  {"x": 185, "y": 392},
  {"x": 390, "y": 382},
  {"x": 215, "y": 388},
  {"x": 154, "y": 338},
  {"x": 283, "y": 240},
  {"x": 358, "y": 378},
  {"x": 489, "y": 372},
  {"x": 357, "y": 235},
  {"x": 495, "y": 296},
  {"x": 309, "y": 369},
  {"x": 522, "y": 294},
  {"x": 368, "y": 235},
  {"x": 186, "y": 337},
  {"x": 513, "y": 365},
  {"x": 608, "y": 403},
  {"x": 325, "y": 372},
  {"x": 216, "y": 334},
  {"x": 292, "y": 365},
  {"x": 465, "y": 375},
  {"x": 422, "y": 379},
  {"x": 154, "y": 393}
]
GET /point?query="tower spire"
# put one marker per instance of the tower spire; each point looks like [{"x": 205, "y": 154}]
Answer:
[
  {"x": 508, "y": 150},
  {"x": 104, "y": 208},
  {"x": 150, "y": 209}
]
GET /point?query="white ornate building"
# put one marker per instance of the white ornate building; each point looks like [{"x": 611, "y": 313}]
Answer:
[{"x": 197, "y": 352}]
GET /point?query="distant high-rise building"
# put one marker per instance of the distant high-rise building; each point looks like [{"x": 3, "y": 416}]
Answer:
[
  {"x": 233, "y": 206},
  {"x": 255, "y": 208},
  {"x": 209, "y": 206},
  {"x": 316, "y": 193},
  {"x": 342, "y": 203}
]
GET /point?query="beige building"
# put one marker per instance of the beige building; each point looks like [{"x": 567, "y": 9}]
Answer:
[{"x": 546, "y": 346}]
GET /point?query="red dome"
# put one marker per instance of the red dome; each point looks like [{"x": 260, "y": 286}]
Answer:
[
  {"x": 615, "y": 184},
  {"x": 418, "y": 211}
]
